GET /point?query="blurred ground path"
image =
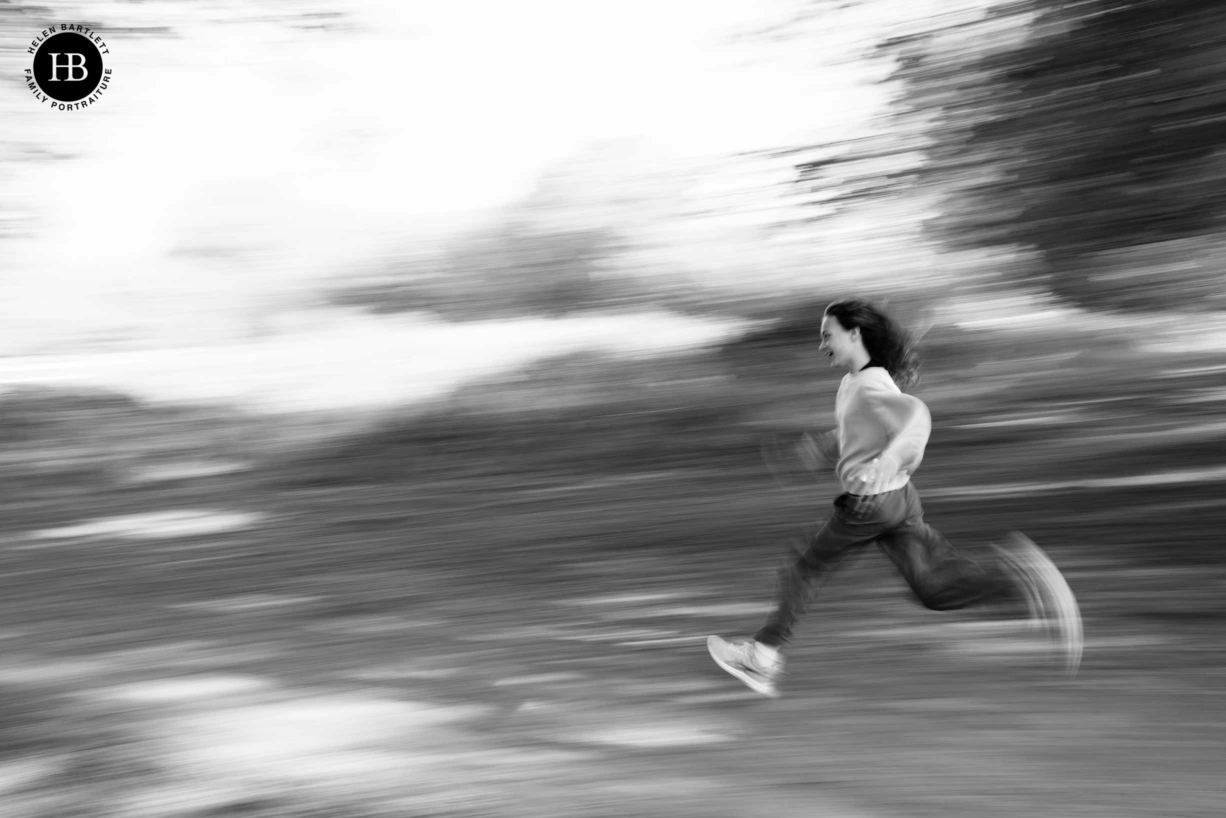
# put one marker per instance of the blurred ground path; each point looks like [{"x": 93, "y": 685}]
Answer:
[
  {"x": 214, "y": 744},
  {"x": 614, "y": 709},
  {"x": 194, "y": 626}
]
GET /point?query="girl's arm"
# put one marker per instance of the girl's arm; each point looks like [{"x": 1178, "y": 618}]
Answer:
[
  {"x": 910, "y": 423},
  {"x": 907, "y": 423}
]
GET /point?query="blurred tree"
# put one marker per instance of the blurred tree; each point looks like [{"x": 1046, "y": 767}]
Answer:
[
  {"x": 515, "y": 268},
  {"x": 1078, "y": 131},
  {"x": 507, "y": 269},
  {"x": 560, "y": 249}
]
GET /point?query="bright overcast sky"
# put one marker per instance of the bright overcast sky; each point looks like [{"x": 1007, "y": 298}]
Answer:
[{"x": 304, "y": 151}]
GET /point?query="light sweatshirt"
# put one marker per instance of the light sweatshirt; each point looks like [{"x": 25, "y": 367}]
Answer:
[{"x": 877, "y": 421}]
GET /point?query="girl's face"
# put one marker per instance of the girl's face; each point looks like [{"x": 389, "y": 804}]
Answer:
[{"x": 838, "y": 344}]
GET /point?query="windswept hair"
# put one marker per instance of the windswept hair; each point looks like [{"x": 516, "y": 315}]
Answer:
[{"x": 888, "y": 344}]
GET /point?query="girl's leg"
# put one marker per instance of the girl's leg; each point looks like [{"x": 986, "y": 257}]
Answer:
[
  {"x": 942, "y": 578},
  {"x": 800, "y": 577}
]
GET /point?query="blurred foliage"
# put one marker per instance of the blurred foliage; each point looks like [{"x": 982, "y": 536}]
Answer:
[{"x": 1089, "y": 134}]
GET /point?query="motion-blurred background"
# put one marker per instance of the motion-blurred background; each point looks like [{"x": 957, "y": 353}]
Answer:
[{"x": 383, "y": 384}]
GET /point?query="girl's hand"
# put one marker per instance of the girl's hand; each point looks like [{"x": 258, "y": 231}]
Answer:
[{"x": 872, "y": 481}]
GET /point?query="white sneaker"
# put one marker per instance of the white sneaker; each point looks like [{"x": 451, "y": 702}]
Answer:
[
  {"x": 750, "y": 662},
  {"x": 1052, "y": 604}
]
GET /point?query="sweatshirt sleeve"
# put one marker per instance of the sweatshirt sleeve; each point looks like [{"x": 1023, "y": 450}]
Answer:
[{"x": 908, "y": 424}]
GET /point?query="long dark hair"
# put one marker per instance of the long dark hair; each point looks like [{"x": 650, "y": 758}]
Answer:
[{"x": 888, "y": 344}]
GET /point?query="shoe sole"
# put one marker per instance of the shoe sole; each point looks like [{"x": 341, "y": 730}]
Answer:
[
  {"x": 1052, "y": 594},
  {"x": 714, "y": 647},
  {"x": 1020, "y": 573}
]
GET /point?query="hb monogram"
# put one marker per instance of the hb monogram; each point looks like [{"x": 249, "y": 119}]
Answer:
[{"x": 71, "y": 66}]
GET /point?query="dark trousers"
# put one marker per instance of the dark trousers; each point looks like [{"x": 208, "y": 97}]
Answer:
[{"x": 941, "y": 578}]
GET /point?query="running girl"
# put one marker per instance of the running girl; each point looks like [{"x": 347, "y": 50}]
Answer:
[{"x": 877, "y": 446}]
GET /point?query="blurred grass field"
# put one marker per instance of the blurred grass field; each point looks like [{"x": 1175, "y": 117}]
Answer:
[{"x": 495, "y": 605}]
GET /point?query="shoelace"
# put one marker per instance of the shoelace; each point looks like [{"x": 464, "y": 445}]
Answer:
[{"x": 748, "y": 659}]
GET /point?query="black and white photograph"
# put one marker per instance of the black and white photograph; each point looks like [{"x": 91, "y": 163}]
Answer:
[{"x": 639, "y": 409}]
